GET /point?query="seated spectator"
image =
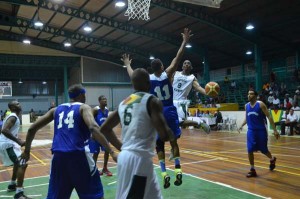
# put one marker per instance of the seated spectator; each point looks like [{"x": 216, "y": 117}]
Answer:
[
  {"x": 296, "y": 107},
  {"x": 283, "y": 119},
  {"x": 32, "y": 116},
  {"x": 233, "y": 85},
  {"x": 218, "y": 116},
  {"x": 276, "y": 102},
  {"x": 200, "y": 113},
  {"x": 286, "y": 99},
  {"x": 291, "y": 121},
  {"x": 270, "y": 100},
  {"x": 296, "y": 97}
]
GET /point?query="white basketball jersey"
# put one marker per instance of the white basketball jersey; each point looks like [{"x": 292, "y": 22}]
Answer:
[
  {"x": 182, "y": 85},
  {"x": 138, "y": 133},
  {"x": 4, "y": 141}
]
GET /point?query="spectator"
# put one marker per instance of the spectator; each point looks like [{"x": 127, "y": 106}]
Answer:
[
  {"x": 32, "y": 116},
  {"x": 287, "y": 98},
  {"x": 233, "y": 85},
  {"x": 291, "y": 121},
  {"x": 226, "y": 80},
  {"x": 297, "y": 97},
  {"x": 283, "y": 119},
  {"x": 270, "y": 100},
  {"x": 276, "y": 102}
]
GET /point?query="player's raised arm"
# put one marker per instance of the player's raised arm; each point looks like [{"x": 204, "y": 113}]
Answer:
[
  {"x": 175, "y": 62},
  {"x": 197, "y": 87},
  {"x": 127, "y": 62}
]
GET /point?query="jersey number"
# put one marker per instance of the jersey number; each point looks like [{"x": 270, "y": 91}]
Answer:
[
  {"x": 127, "y": 115},
  {"x": 159, "y": 93},
  {"x": 69, "y": 120}
]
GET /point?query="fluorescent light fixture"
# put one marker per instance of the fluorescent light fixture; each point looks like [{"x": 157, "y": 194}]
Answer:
[
  {"x": 38, "y": 23},
  {"x": 203, "y": 62},
  {"x": 87, "y": 28},
  {"x": 67, "y": 44},
  {"x": 151, "y": 57},
  {"x": 249, "y": 26},
  {"x": 120, "y": 3},
  {"x": 188, "y": 45},
  {"x": 20, "y": 81},
  {"x": 249, "y": 52},
  {"x": 124, "y": 66},
  {"x": 44, "y": 82},
  {"x": 26, "y": 41}
]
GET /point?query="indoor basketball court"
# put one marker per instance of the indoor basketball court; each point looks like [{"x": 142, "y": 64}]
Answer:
[{"x": 48, "y": 45}]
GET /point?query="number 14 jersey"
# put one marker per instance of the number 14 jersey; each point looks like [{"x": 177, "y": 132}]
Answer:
[{"x": 70, "y": 130}]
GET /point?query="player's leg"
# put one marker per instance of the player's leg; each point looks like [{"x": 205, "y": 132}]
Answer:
[
  {"x": 105, "y": 168},
  {"x": 178, "y": 171},
  {"x": 251, "y": 147},
  {"x": 262, "y": 142},
  {"x": 160, "y": 150}
]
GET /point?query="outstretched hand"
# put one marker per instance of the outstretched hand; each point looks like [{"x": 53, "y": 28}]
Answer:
[
  {"x": 240, "y": 129},
  {"x": 126, "y": 59},
  {"x": 186, "y": 35}
]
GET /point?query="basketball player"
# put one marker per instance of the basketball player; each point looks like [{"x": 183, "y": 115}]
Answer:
[
  {"x": 161, "y": 87},
  {"x": 10, "y": 149},
  {"x": 72, "y": 165},
  {"x": 183, "y": 82},
  {"x": 257, "y": 134},
  {"x": 100, "y": 113},
  {"x": 140, "y": 115}
]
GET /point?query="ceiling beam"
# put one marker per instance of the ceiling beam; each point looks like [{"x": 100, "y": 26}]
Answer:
[
  {"x": 201, "y": 16},
  {"x": 5, "y": 35}
]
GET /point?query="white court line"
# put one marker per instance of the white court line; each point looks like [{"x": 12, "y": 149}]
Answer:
[
  {"x": 225, "y": 185},
  {"x": 29, "y": 186},
  {"x": 114, "y": 182}
]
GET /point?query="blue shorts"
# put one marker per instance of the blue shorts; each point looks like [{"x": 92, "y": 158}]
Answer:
[
  {"x": 95, "y": 146},
  {"x": 171, "y": 117},
  {"x": 74, "y": 170},
  {"x": 257, "y": 140}
]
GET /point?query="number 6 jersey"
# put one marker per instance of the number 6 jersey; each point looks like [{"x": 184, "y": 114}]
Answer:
[
  {"x": 138, "y": 133},
  {"x": 70, "y": 130}
]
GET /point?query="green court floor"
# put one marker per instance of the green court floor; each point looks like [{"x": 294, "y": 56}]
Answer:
[{"x": 192, "y": 188}]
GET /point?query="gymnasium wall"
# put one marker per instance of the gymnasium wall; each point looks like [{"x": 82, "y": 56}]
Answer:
[{"x": 39, "y": 103}]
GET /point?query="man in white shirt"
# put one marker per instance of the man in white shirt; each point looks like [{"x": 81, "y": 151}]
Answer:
[{"x": 291, "y": 121}]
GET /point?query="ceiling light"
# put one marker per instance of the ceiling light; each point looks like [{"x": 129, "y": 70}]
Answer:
[
  {"x": 20, "y": 81},
  {"x": 151, "y": 57},
  {"x": 38, "y": 23},
  {"x": 44, "y": 82},
  {"x": 188, "y": 45},
  {"x": 203, "y": 62},
  {"x": 26, "y": 41},
  {"x": 87, "y": 28},
  {"x": 124, "y": 66},
  {"x": 249, "y": 26},
  {"x": 120, "y": 3},
  {"x": 67, "y": 44},
  {"x": 249, "y": 52}
]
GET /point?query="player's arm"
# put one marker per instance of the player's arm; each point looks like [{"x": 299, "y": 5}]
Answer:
[
  {"x": 127, "y": 62},
  {"x": 174, "y": 64},
  {"x": 243, "y": 123},
  {"x": 95, "y": 111},
  {"x": 197, "y": 87},
  {"x": 107, "y": 129},
  {"x": 41, "y": 122},
  {"x": 155, "y": 109},
  {"x": 266, "y": 112},
  {"x": 10, "y": 122},
  {"x": 86, "y": 113}
]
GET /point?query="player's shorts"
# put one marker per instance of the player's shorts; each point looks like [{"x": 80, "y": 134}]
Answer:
[
  {"x": 257, "y": 140},
  {"x": 171, "y": 117},
  {"x": 136, "y": 176},
  {"x": 10, "y": 154},
  {"x": 95, "y": 146},
  {"x": 181, "y": 107},
  {"x": 74, "y": 170}
]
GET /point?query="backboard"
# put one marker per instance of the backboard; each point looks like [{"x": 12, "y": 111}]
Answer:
[{"x": 5, "y": 88}]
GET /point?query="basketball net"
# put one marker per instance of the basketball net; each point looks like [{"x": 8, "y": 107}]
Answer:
[{"x": 138, "y": 9}]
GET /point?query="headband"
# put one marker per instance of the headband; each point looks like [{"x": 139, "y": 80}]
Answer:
[{"x": 76, "y": 93}]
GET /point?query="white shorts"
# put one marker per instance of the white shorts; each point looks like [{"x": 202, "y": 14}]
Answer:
[
  {"x": 130, "y": 165},
  {"x": 179, "y": 104},
  {"x": 8, "y": 155}
]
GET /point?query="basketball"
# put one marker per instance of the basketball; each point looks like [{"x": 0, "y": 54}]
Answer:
[{"x": 212, "y": 89}]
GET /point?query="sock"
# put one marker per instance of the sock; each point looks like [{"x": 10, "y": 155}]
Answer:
[
  {"x": 252, "y": 167},
  {"x": 19, "y": 189},
  {"x": 177, "y": 162},
  {"x": 162, "y": 165},
  {"x": 12, "y": 182}
]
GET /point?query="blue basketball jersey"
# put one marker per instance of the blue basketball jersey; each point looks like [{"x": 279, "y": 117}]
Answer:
[
  {"x": 70, "y": 131},
  {"x": 255, "y": 117},
  {"x": 101, "y": 116},
  {"x": 162, "y": 88}
]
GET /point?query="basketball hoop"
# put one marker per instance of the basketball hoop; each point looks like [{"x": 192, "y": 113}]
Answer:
[{"x": 138, "y": 9}]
